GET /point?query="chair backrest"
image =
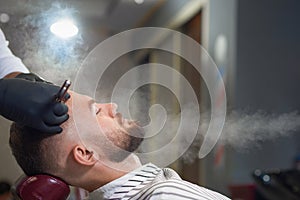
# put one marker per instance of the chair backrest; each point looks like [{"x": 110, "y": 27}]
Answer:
[{"x": 42, "y": 187}]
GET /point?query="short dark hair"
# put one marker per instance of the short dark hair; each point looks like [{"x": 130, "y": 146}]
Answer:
[{"x": 32, "y": 150}]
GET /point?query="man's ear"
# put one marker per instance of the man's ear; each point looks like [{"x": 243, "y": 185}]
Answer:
[{"x": 84, "y": 156}]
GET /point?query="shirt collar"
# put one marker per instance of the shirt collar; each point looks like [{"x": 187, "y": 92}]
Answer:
[{"x": 134, "y": 178}]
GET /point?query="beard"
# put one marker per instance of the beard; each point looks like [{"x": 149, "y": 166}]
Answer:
[{"x": 124, "y": 142}]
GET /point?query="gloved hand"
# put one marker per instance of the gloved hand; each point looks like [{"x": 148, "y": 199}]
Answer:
[
  {"x": 31, "y": 77},
  {"x": 32, "y": 104}
]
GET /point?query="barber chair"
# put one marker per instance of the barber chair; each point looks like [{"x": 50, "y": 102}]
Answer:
[{"x": 41, "y": 187}]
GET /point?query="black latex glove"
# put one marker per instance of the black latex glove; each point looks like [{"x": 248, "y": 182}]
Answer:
[
  {"x": 32, "y": 104},
  {"x": 31, "y": 77}
]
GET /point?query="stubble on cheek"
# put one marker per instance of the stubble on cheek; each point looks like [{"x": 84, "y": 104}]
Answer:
[{"x": 126, "y": 139}]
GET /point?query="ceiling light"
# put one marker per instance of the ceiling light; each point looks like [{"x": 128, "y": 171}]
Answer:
[
  {"x": 4, "y": 18},
  {"x": 64, "y": 29},
  {"x": 139, "y": 1}
]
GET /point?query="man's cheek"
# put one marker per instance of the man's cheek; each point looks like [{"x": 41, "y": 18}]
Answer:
[{"x": 103, "y": 125}]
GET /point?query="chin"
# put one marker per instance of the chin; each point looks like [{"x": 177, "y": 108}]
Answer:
[
  {"x": 135, "y": 130},
  {"x": 132, "y": 139}
]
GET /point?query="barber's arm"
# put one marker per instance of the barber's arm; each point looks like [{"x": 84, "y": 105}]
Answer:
[
  {"x": 26, "y": 76},
  {"x": 10, "y": 65},
  {"x": 25, "y": 102},
  {"x": 32, "y": 104}
]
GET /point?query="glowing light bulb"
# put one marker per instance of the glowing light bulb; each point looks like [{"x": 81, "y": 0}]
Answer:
[
  {"x": 64, "y": 29},
  {"x": 139, "y": 1},
  {"x": 266, "y": 178},
  {"x": 4, "y": 18}
]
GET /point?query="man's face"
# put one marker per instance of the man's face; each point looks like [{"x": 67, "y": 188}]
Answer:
[{"x": 93, "y": 119}]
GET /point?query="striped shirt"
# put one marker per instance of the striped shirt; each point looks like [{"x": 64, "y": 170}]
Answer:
[{"x": 152, "y": 183}]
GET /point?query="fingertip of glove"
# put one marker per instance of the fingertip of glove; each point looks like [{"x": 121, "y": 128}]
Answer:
[
  {"x": 67, "y": 96},
  {"x": 64, "y": 118},
  {"x": 60, "y": 109},
  {"x": 59, "y": 130},
  {"x": 67, "y": 117}
]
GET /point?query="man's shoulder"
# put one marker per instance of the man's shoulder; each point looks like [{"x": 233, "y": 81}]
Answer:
[{"x": 179, "y": 189}]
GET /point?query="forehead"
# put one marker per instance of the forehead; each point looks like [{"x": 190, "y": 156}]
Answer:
[
  {"x": 79, "y": 109},
  {"x": 82, "y": 120},
  {"x": 77, "y": 98},
  {"x": 77, "y": 101}
]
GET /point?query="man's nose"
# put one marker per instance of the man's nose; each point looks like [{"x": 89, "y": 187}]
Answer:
[{"x": 110, "y": 109}]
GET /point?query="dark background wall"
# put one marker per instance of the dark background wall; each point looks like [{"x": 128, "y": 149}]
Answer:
[
  {"x": 267, "y": 76},
  {"x": 268, "y": 48},
  {"x": 264, "y": 74}
]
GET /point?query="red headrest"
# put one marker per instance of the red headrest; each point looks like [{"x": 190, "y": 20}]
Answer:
[{"x": 42, "y": 187}]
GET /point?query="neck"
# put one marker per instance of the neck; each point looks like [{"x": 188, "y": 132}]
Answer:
[
  {"x": 103, "y": 173},
  {"x": 99, "y": 178}
]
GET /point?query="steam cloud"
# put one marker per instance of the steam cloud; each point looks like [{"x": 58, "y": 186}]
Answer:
[
  {"x": 243, "y": 131},
  {"x": 43, "y": 53}
]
